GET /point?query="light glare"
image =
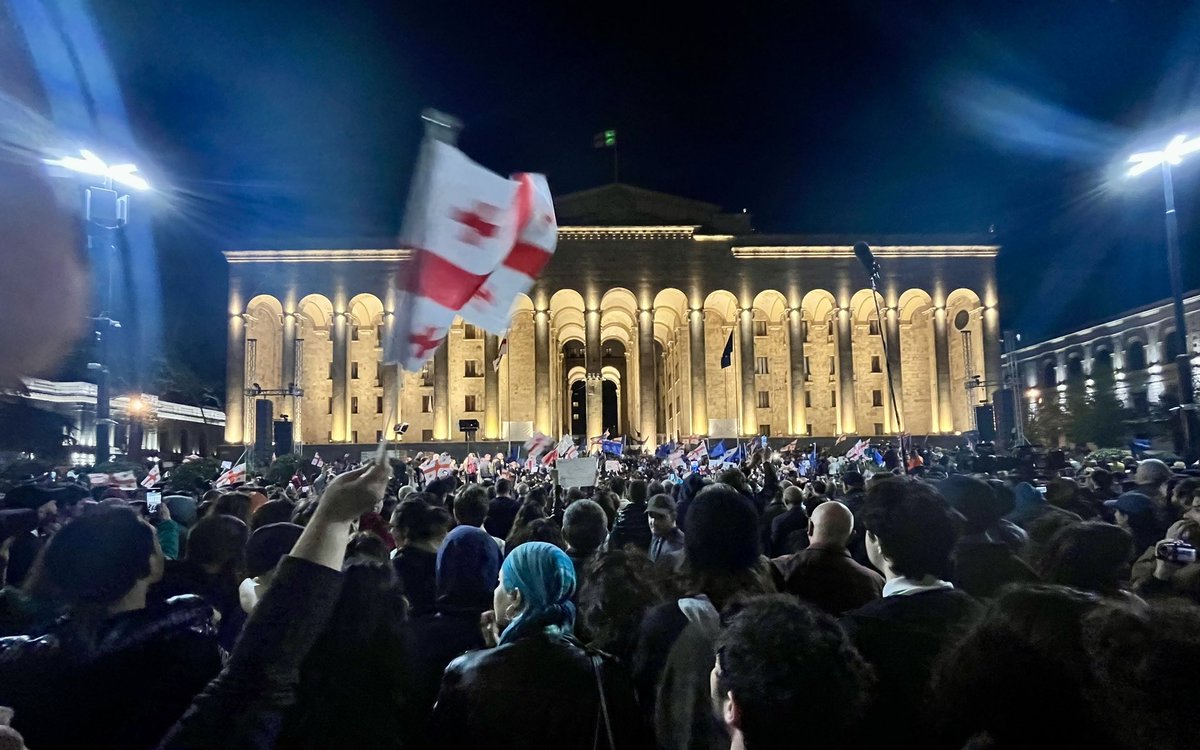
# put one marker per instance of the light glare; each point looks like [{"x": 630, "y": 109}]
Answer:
[
  {"x": 88, "y": 163},
  {"x": 1176, "y": 149}
]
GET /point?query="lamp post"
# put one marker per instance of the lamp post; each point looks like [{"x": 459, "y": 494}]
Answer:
[
  {"x": 1171, "y": 155},
  {"x": 106, "y": 207}
]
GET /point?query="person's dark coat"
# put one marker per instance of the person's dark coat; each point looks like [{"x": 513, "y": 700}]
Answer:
[
  {"x": 793, "y": 519},
  {"x": 631, "y": 527},
  {"x": 828, "y": 578},
  {"x": 901, "y": 636},
  {"x": 183, "y": 577},
  {"x": 120, "y": 685},
  {"x": 417, "y": 571},
  {"x": 244, "y": 707},
  {"x": 774, "y": 509},
  {"x": 502, "y": 511},
  {"x": 983, "y": 566},
  {"x": 534, "y": 692}
]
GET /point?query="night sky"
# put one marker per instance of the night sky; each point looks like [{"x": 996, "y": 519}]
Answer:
[{"x": 280, "y": 123}]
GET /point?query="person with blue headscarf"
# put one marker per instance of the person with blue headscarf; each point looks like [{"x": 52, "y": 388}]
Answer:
[{"x": 539, "y": 687}]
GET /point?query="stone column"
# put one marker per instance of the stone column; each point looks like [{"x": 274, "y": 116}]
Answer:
[
  {"x": 393, "y": 395},
  {"x": 542, "y": 413},
  {"x": 647, "y": 395},
  {"x": 699, "y": 372},
  {"x": 441, "y": 391},
  {"x": 847, "y": 402},
  {"x": 746, "y": 355},
  {"x": 894, "y": 370},
  {"x": 491, "y": 388},
  {"x": 287, "y": 372},
  {"x": 798, "y": 411},
  {"x": 992, "y": 342},
  {"x": 340, "y": 424},
  {"x": 594, "y": 393},
  {"x": 235, "y": 378},
  {"x": 941, "y": 350}
]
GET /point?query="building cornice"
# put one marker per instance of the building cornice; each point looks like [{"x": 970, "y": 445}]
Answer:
[
  {"x": 317, "y": 256},
  {"x": 880, "y": 251}
]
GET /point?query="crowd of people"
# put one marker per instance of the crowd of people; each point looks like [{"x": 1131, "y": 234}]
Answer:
[{"x": 951, "y": 601}]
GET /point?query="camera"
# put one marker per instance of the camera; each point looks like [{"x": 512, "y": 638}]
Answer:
[{"x": 1176, "y": 552}]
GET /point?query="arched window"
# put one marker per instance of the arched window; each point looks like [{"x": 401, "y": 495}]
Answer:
[
  {"x": 1049, "y": 375},
  {"x": 1135, "y": 356},
  {"x": 1171, "y": 345},
  {"x": 1074, "y": 369},
  {"x": 1103, "y": 362}
]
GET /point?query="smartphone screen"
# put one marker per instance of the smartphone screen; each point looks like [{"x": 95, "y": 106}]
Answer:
[{"x": 153, "y": 499}]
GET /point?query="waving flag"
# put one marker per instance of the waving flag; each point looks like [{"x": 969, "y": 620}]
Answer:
[
  {"x": 463, "y": 221},
  {"x": 727, "y": 355},
  {"x": 665, "y": 450},
  {"x": 877, "y": 457},
  {"x": 717, "y": 450},
  {"x": 615, "y": 447},
  {"x": 537, "y": 444},
  {"x": 856, "y": 453},
  {"x": 232, "y": 475},
  {"x": 699, "y": 452},
  {"x": 491, "y": 305},
  {"x": 317, "y": 461},
  {"x": 566, "y": 447},
  {"x": 152, "y": 477},
  {"x": 675, "y": 459},
  {"x": 500, "y": 352}
]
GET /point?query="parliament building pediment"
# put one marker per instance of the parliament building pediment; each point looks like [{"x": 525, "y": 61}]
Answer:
[{"x": 626, "y": 205}]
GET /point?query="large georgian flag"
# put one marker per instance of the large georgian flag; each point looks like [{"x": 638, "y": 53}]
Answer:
[{"x": 463, "y": 224}]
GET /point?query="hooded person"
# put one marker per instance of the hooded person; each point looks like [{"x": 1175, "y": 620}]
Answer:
[
  {"x": 536, "y": 662},
  {"x": 985, "y": 556},
  {"x": 675, "y": 650}
]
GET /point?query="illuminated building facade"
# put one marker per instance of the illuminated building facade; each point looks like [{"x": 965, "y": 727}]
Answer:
[{"x": 625, "y": 331}]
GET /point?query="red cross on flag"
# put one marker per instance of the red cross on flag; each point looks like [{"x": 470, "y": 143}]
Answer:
[{"x": 463, "y": 221}]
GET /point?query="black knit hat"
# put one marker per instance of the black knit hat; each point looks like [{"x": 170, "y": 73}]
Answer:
[
  {"x": 722, "y": 531},
  {"x": 267, "y": 546}
]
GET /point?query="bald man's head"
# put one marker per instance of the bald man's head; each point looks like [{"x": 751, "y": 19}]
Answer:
[{"x": 831, "y": 523}]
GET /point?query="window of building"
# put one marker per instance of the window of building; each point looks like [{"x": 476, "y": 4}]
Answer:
[
  {"x": 808, "y": 368},
  {"x": 760, "y": 328},
  {"x": 876, "y": 398},
  {"x": 378, "y": 435},
  {"x": 354, "y": 371},
  {"x": 331, "y": 370},
  {"x": 833, "y": 399},
  {"x": 469, "y": 404},
  {"x": 330, "y": 405},
  {"x": 354, "y": 333},
  {"x": 829, "y": 328},
  {"x": 762, "y": 366},
  {"x": 879, "y": 428},
  {"x": 378, "y": 374},
  {"x": 426, "y": 404},
  {"x": 470, "y": 331},
  {"x": 354, "y": 436},
  {"x": 379, "y": 336},
  {"x": 808, "y": 399},
  {"x": 764, "y": 429},
  {"x": 764, "y": 399},
  {"x": 426, "y": 436},
  {"x": 426, "y": 375},
  {"x": 677, "y": 407},
  {"x": 670, "y": 410},
  {"x": 808, "y": 428},
  {"x": 873, "y": 327},
  {"x": 876, "y": 365},
  {"x": 354, "y": 404},
  {"x": 329, "y": 437},
  {"x": 473, "y": 370},
  {"x": 379, "y": 404},
  {"x": 832, "y": 366}
]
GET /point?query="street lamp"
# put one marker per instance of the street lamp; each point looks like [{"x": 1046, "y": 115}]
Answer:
[
  {"x": 1177, "y": 148},
  {"x": 106, "y": 207}
]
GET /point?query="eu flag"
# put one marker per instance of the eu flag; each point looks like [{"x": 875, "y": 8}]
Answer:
[{"x": 727, "y": 355}]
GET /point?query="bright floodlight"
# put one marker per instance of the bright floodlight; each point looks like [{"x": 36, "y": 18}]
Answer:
[
  {"x": 1172, "y": 154},
  {"x": 88, "y": 163}
]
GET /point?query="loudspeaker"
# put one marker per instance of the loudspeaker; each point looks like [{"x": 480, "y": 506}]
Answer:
[
  {"x": 263, "y": 411},
  {"x": 468, "y": 425},
  {"x": 283, "y": 437},
  {"x": 985, "y": 422},
  {"x": 1004, "y": 401}
]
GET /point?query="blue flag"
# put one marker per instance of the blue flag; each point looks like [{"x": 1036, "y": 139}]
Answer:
[
  {"x": 717, "y": 450},
  {"x": 615, "y": 447},
  {"x": 727, "y": 355},
  {"x": 665, "y": 450},
  {"x": 763, "y": 439},
  {"x": 734, "y": 456},
  {"x": 514, "y": 455},
  {"x": 877, "y": 457}
]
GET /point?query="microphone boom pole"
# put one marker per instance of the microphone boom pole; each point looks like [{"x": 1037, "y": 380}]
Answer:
[{"x": 862, "y": 251}]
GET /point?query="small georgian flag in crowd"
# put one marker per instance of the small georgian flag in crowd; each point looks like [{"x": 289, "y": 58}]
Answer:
[
  {"x": 858, "y": 451},
  {"x": 152, "y": 477},
  {"x": 699, "y": 452},
  {"x": 317, "y": 461},
  {"x": 566, "y": 447},
  {"x": 537, "y": 444},
  {"x": 231, "y": 476},
  {"x": 122, "y": 480},
  {"x": 464, "y": 224}
]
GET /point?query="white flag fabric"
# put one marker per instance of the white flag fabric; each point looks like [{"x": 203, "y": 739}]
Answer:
[
  {"x": 500, "y": 352},
  {"x": 152, "y": 477},
  {"x": 463, "y": 224},
  {"x": 535, "y": 445},
  {"x": 699, "y": 452},
  {"x": 491, "y": 305},
  {"x": 233, "y": 475}
]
